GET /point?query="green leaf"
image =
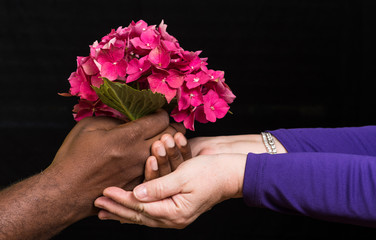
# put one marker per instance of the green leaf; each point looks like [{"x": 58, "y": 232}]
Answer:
[{"x": 131, "y": 102}]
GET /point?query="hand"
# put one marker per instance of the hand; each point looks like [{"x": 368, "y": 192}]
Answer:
[
  {"x": 167, "y": 154},
  {"x": 101, "y": 152},
  {"x": 177, "y": 199},
  {"x": 242, "y": 144}
]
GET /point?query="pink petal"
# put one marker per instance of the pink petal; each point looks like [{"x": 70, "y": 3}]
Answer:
[
  {"x": 133, "y": 66},
  {"x": 96, "y": 80},
  {"x": 109, "y": 70},
  {"x": 210, "y": 114},
  {"x": 186, "y": 116},
  {"x": 136, "y": 68},
  {"x": 196, "y": 97},
  {"x": 169, "y": 93},
  {"x": 175, "y": 79},
  {"x": 121, "y": 68},
  {"x": 189, "y": 97},
  {"x": 82, "y": 109},
  {"x": 195, "y": 80},
  {"x": 170, "y": 46},
  {"x": 103, "y": 110},
  {"x": 112, "y": 55},
  {"x": 159, "y": 57},
  {"x": 75, "y": 83},
  {"x": 144, "y": 63},
  {"x": 189, "y": 121},
  {"x": 221, "y": 108},
  {"x": 162, "y": 30},
  {"x": 179, "y": 116},
  {"x": 184, "y": 102},
  {"x": 192, "y": 81},
  {"x": 214, "y": 106},
  {"x": 81, "y": 114},
  {"x": 89, "y": 66},
  {"x": 133, "y": 77},
  {"x": 150, "y": 38},
  {"x": 137, "y": 43},
  {"x": 200, "y": 115},
  {"x": 157, "y": 82},
  {"x": 224, "y": 92},
  {"x": 140, "y": 26},
  {"x": 87, "y": 92}
]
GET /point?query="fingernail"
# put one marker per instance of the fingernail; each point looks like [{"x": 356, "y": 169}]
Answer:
[
  {"x": 182, "y": 141},
  {"x": 154, "y": 164},
  {"x": 170, "y": 142},
  {"x": 140, "y": 192},
  {"x": 102, "y": 215},
  {"x": 161, "y": 151},
  {"x": 98, "y": 203}
]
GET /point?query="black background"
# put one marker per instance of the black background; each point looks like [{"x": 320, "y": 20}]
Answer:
[{"x": 291, "y": 64}]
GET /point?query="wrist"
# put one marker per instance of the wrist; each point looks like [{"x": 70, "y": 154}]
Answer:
[
  {"x": 71, "y": 192},
  {"x": 234, "y": 167}
]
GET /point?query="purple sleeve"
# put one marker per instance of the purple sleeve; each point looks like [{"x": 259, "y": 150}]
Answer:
[
  {"x": 351, "y": 140},
  {"x": 327, "y": 186}
]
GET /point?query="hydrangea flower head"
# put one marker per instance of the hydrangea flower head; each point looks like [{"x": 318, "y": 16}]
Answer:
[{"x": 140, "y": 60}]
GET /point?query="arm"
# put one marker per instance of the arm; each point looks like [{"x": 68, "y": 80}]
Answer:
[
  {"x": 351, "y": 140},
  {"x": 37, "y": 208},
  {"x": 241, "y": 144},
  {"x": 326, "y": 186},
  {"x": 177, "y": 199},
  {"x": 97, "y": 153}
]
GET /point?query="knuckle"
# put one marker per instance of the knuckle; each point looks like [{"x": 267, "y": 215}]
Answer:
[
  {"x": 136, "y": 219},
  {"x": 135, "y": 129},
  {"x": 174, "y": 154},
  {"x": 139, "y": 208},
  {"x": 180, "y": 223},
  {"x": 114, "y": 152},
  {"x": 84, "y": 123},
  {"x": 159, "y": 190}
]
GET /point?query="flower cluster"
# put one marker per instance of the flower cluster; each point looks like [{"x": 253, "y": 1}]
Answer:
[{"x": 147, "y": 57}]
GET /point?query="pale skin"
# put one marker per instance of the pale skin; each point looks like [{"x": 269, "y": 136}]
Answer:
[
  {"x": 175, "y": 200},
  {"x": 97, "y": 153}
]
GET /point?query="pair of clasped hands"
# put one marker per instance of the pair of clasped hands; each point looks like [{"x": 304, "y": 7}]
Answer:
[{"x": 183, "y": 179}]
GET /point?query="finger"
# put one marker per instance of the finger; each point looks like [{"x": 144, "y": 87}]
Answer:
[
  {"x": 173, "y": 154},
  {"x": 145, "y": 127},
  {"x": 158, "y": 150},
  {"x": 106, "y": 215},
  {"x": 179, "y": 127},
  {"x": 151, "y": 168},
  {"x": 158, "y": 189},
  {"x": 169, "y": 130},
  {"x": 132, "y": 219},
  {"x": 119, "y": 212},
  {"x": 120, "y": 196},
  {"x": 158, "y": 210},
  {"x": 183, "y": 146}
]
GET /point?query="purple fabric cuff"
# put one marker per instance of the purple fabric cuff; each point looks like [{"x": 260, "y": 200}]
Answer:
[{"x": 252, "y": 179}]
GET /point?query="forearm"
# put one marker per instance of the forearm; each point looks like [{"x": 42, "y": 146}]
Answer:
[
  {"x": 350, "y": 140},
  {"x": 37, "y": 208},
  {"x": 327, "y": 186},
  {"x": 241, "y": 144}
]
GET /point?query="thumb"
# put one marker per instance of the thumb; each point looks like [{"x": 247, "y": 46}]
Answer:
[{"x": 158, "y": 189}]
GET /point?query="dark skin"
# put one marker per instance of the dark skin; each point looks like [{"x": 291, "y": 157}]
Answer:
[{"x": 97, "y": 153}]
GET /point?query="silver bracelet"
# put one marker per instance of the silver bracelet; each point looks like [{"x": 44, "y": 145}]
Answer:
[{"x": 269, "y": 142}]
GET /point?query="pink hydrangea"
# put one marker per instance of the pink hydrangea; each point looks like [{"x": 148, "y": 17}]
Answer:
[
  {"x": 87, "y": 108},
  {"x": 148, "y": 57}
]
